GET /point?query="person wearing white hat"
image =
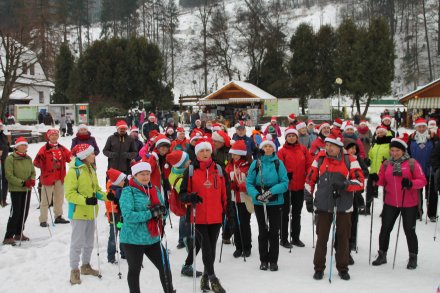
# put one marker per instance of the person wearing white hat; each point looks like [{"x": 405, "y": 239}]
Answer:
[{"x": 303, "y": 136}]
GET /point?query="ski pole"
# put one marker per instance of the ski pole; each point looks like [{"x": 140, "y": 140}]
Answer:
[
  {"x": 221, "y": 247},
  {"x": 371, "y": 229},
  {"x": 38, "y": 198},
  {"x": 118, "y": 258},
  {"x": 239, "y": 229},
  {"x": 333, "y": 241},
  {"x": 398, "y": 228},
  {"x": 48, "y": 205},
  {"x": 168, "y": 210},
  {"x": 194, "y": 249},
  {"x": 164, "y": 265},
  {"x": 24, "y": 216},
  {"x": 97, "y": 242},
  {"x": 429, "y": 195},
  {"x": 290, "y": 220}
]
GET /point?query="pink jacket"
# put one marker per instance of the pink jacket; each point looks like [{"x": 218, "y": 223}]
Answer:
[{"x": 393, "y": 184}]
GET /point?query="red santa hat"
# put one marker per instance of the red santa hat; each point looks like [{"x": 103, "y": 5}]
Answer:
[
  {"x": 177, "y": 158},
  {"x": 363, "y": 123},
  {"x": 348, "y": 125},
  {"x": 180, "y": 130},
  {"x": 203, "y": 144},
  {"x": 195, "y": 136},
  {"x": 121, "y": 124},
  {"x": 83, "y": 126},
  {"x": 170, "y": 130},
  {"x": 432, "y": 122},
  {"x": 139, "y": 167},
  {"x": 115, "y": 176},
  {"x": 153, "y": 133},
  {"x": 198, "y": 120},
  {"x": 381, "y": 128},
  {"x": 336, "y": 140},
  {"x": 338, "y": 122},
  {"x": 1, "y": 122},
  {"x": 273, "y": 119},
  {"x": 290, "y": 130},
  {"x": 20, "y": 141},
  {"x": 300, "y": 125},
  {"x": 239, "y": 148},
  {"x": 216, "y": 127},
  {"x": 221, "y": 136},
  {"x": 291, "y": 117},
  {"x": 50, "y": 132},
  {"x": 240, "y": 124},
  {"x": 82, "y": 151},
  {"x": 400, "y": 142},
  {"x": 310, "y": 122},
  {"x": 267, "y": 141},
  {"x": 322, "y": 125},
  {"x": 134, "y": 129},
  {"x": 386, "y": 117},
  {"x": 152, "y": 117},
  {"x": 162, "y": 140},
  {"x": 420, "y": 122}
]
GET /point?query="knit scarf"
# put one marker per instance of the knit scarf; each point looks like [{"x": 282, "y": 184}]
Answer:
[
  {"x": 422, "y": 138},
  {"x": 21, "y": 154},
  {"x": 397, "y": 168},
  {"x": 352, "y": 136},
  {"x": 83, "y": 136},
  {"x": 362, "y": 129},
  {"x": 152, "y": 224}
]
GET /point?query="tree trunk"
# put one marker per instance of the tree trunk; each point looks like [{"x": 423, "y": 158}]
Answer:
[
  {"x": 367, "y": 105},
  {"x": 427, "y": 41},
  {"x": 358, "y": 104},
  {"x": 438, "y": 30}
]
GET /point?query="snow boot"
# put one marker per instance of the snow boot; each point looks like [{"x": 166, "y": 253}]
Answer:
[
  {"x": 412, "y": 263},
  {"x": 24, "y": 238},
  {"x": 273, "y": 267},
  {"x": 381, "y": 258},
  {"x": 187, "y": 271},
  {"x": 43, "y": 224},
  {"x": 247, "y": 253},
  {"x": 9, "y": 241},
  {"x": 264, "y": 266},
  {"x": 75, "y": 277},
  {"x": 237, "y": 253},
  {"x": 88, "y": 270},
  {"x": 298, "y": 243},
  {"x": 204, "y": 284},
  {"x": 318, "y": 275},
  {"x": 344, "y": 276},
  {"x": 286, "y": 244},
  {"x": 216, "y": 286},
  {"x": 61, "y": 220}
]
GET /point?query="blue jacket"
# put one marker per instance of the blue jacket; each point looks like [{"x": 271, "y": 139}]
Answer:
[
  {"x": 250, "y": 144},
  {"x": 422, "y": 154},
  {"x": 135, "y": 207},
  {"x": 276, "y": 182}
]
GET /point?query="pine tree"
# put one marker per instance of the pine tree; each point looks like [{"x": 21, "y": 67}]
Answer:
[
  {"x": 325, "y": 61},
  {"x": 63, "y": 67}
]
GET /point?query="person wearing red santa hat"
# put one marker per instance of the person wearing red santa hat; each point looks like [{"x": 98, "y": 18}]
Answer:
[
  {"x": 303, "y": 135},
  {"x": 401, "y": 184},
  {"x": 297, "y": 160},
  {"x": 432, "y": 126},
  {"x": 421, "y": 146},
  {"x": 134, "y": 133},
  {"x": 386, "y": 121},
  {"x": 273, "y": 123},
  {"x": 292, "y": 119},
  {"x": 190, "y": 149},
  {"x": 323, "y": 131},
  {"x": 365, "y": 135},
  {"x": 20, "y": 173},
  {"x": 181, "y": 142},
  {"x": 337, "y": 126},
  {"x": 204, "y": 189},
  {"x": 222, "y": 144},
  {"x": 149, "y": 125},
  {"x": 197, "y": 127},
  {"x": 349, "y": 133},
  {"x": 84, "y": 136},
  {"x": 51, "y": 159}
]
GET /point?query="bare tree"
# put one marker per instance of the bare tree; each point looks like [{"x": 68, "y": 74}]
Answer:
[{"x": 427, "y": 41}]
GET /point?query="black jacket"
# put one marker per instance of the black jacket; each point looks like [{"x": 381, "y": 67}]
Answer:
[{"x": 120, "y": 150}]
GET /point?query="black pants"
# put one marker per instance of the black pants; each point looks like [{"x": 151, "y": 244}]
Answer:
[
  {"x": 206, "y": 238},
  {"x": 243, "y": 223},
  {"x": 409, "y": 219},
  {"x": 354, "y": 227},
  {"x": 227, "y": 230},
  {"x": 431, "y": 196},
  {"x": 15, "y": 222},
  {"x": 4, "y": 183},
  {"x": 134, "y": 255},
  {"x": 296, "y": 201},
  {"x": 372, "y": 191},
  {"x": 268, "y": 245}
]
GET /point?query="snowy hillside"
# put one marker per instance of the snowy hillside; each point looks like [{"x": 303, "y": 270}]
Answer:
[{"x": 42, "y": 265}]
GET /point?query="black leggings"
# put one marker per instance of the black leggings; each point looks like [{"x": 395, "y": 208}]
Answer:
[
  {"x": 296, "y": 200},
  {"x": 268, "y": 244},
  {"x": 207, "y": 236},
  {"x": 134, "y": 255},
  {"x": 15, "y": 222},
  {"x": 243, "y": 224}
]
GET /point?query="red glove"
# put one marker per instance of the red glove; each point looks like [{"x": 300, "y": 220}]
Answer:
[{"x": 29, "y": 183}]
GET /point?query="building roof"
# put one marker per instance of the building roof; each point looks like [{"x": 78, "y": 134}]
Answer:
[
  {"x": 17, "y": 95},
  {"x": 430, "y": 90}
]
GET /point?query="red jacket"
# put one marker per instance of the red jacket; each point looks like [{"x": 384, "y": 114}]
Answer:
[
  {"x": 297, "y": 160},
  {"x": 237, "y": 173},
  {"x": 52, "y": 169},
  {"x": 179, "y": 145},
  {"x": 317, "y": 145},
  {"x": 214, "y": 197}
]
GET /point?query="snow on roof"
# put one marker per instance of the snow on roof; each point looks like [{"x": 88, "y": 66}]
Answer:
[
  {"x": 420, "y": 88},
  {"x": 17, "y": 95},
  {"x": 261, "y": 94}
]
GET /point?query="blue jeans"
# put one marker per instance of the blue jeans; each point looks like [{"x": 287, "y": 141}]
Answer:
[
  {"x": 111, "y": 245},
  {"x": 183, "y": 229}
]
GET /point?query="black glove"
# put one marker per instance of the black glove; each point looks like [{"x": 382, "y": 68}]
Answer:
[
  {"x": 91, "y": 201},
  {"x": 339, "y": 186},
  {"x": 192, "y": 198},
  {"x": 309, "y": 204},
  {"x": 264, "y": 198},
  {"x": 111, "y": 196},
  {"x": 373, "y": 177},
  {"x": 290, "y": 175},
  {"x": 406, "y": 183},
  {"x": 158, "y": 211}
]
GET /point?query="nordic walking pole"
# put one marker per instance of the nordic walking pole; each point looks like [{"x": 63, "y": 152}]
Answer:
[
  {"x": 165, "y": 267},
  {"x": 38, "y": 199},
  {"x": 118, "y": 258},
  {"x": 436, "y": 217},
  {"x": 48, "y": 205},
  {"x": 24, "y": 216},
  {"x": 290, "y": 220},
  {"x": 221, "y": 247},
  {"x": 168, "y": 210},
  {"x": 194, "y": 249},
  {"x": 97, "y": 241},
  {"x": 398, "y": 228},
  {"x": 333, "y": 240},
  {"x": 371, "y": 230},
  {"x": 429, "y": 195},
  {"x": 239, "y": 228}
]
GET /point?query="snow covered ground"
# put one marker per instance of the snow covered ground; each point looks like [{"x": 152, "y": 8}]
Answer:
[{"x": 42, "y": 265}]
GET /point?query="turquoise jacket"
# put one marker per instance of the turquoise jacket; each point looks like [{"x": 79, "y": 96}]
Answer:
[
  {"x": 135, "y": 207},
  {"x": 276, "y": 182}
]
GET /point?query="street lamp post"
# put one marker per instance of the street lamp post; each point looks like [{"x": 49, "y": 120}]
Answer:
[{"x": 339, "y": 82}]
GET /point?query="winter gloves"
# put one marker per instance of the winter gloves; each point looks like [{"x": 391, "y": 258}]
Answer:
[
  {"x": 339, "y": 186},
  {"x": 91, "y": 201},
  {"x": 29, "y": 183},
  {"x": 111, "y": 196},
  {"x": 264, "y": 198},
  {"x": 290, "y": 175},
  {"x": 192, "y": 198},
  {"x": 406, "y": 183},
  {"x": 157, "y": 211},
  {"x": 309, "y": 204}
]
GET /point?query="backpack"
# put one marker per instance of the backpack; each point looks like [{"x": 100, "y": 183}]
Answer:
[
  {"x": 276, "y": 162},
  {"x": 346, "y": 160}
]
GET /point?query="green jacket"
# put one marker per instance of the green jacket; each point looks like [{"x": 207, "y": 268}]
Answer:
[
  {"x": 175, "y": 174},
  {"x": 80, "y": 183},
  {"x": 377, "y": 154},
  {"x": 18, "y": 169}
]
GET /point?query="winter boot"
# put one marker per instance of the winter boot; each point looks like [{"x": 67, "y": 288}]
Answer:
[
  {"x": 381, "y": 258},
  {"x": 344, "y": 276},
  {"x": 87, "y": 270},
  {"x": 238, "y": 253},
  {"x": 216, "y": 286},
  {"x": 247, "y": 253},
  {"x": 204, "y": 284},
  {"x": 264, "y": 266},
  {"x": 318, "y": 275},
  {"x": 23, "y": 238},
  {"x": 350, "y": 260},
  {"x": 187, "y": 270},
  {"x": 273, "y": 267},
  {"x": 9, "y": 241},
  {"x": 61, "y": 220},
  {"x": 286, "y": 244},
  {"x": 412, "y": 263},
  {"x": 75, "y": 277},
  {"x": 43, "y": 224},
  {"x": 298, "y": 243}
]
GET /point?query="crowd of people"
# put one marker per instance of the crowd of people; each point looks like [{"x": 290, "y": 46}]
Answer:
[{"x": 215, "y": 182}]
